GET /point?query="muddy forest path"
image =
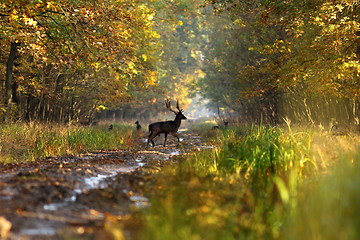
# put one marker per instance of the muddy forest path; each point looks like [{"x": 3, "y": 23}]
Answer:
[{"x": 63, "y": 197}]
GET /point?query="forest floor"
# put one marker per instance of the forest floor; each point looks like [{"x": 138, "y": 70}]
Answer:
[{"x": 83, "y": 196}]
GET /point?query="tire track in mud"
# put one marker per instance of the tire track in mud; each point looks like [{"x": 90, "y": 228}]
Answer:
[{"x": 56, "y": 198}]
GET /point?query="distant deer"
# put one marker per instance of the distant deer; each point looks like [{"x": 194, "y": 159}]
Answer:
[
  {"x": 226, "y": 124},
  {"x": 138, "y": 126},
  {"x": 167, "y": 127},
  {"x": 87, "y": 122}
]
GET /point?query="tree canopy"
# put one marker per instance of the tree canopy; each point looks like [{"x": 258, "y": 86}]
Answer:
[
  {"x": 73, "y": 56},
  {"x": 279, "y": 56},
  {"x": 263, "y": 59}
]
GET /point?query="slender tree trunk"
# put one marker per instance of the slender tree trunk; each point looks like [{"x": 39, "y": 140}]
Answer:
[
  {"x": 27, "y": 109},
  {"x": 9, "y": 72},
  {"x": 9, "y": 78},
  {"x": 15, "y": 96}
]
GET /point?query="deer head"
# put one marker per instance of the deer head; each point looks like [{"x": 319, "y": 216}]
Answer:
[{"x": 179, "y": 114}]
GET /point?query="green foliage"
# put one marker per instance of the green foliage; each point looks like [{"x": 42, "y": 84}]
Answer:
[
  {"x": 27, "y": 142},
  {"x": 201, "y": 207},
  {"x": 204, "y": 129},
  {"x": 263, "y": 151},
  {"x": 98, "y": 138},
  {"x": 328, "y": 209},
  {"x": 260, "y": 182},
  {"x": 244, "y": 188}
]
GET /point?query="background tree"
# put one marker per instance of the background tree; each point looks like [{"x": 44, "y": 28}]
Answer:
[
  {"x": 180, "y": 28},
  {"x": 75, "y": 56},
  {"x": 285, "y": 59}
]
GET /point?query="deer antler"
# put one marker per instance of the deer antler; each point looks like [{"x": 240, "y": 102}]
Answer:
[
  {"x": 178, "y": 107},
  {"x": 168, "y": 105}
]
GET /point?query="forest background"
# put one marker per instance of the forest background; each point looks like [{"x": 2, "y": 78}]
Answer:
[{"x": 63, "y": 61}]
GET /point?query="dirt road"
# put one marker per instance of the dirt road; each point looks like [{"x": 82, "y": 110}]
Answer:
[{"x": 63, "y": 197}]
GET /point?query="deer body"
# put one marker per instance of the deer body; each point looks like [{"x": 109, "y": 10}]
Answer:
[{"x": 167, "y": 127}]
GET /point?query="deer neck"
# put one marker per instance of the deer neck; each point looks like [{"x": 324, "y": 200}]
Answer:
[{"x": 177, "y": 121}]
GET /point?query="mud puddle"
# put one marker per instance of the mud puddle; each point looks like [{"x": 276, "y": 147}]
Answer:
[{"x": 59, "y": 198}]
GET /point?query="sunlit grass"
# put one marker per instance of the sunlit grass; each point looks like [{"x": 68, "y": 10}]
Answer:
[
  {"x": 27, "y": 142},
  {"x": 261, "y": 183},
  {"x": 205, "y": 129}
]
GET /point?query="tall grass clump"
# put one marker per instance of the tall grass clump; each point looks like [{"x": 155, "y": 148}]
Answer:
[
  {"x": 261, "y": 182},
  {"x": 28, "y": 142},
  {"x": 265, "y": 151},
  {"x": 244, "y": 188},
  {"x": 204, "y": 129}
]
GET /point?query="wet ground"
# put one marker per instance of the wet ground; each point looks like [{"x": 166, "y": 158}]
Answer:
[{"x": 81, "y": 196}]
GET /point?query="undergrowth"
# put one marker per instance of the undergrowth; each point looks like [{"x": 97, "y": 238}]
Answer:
[
  {"x": 259, "y": 182},
  {"x": 27, "y": 142}
]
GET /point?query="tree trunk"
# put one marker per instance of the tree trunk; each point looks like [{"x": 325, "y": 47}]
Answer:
[
  {"x": 9, "y": 78},
  {"x": 9, "y": 72}
]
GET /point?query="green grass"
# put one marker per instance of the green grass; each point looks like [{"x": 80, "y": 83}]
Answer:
[
  {"x": 27, "y": 142},
  {"x": 260, "y": 183},
  {"x": 329, "y": 208}
]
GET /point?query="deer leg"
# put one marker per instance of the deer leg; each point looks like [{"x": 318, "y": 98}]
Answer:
[
  {"x": 152, "y": 142},
  {"x": 150, "y": 139},
  {"x": 165, "y": 139},
  {"x": 177, "y": 136}
]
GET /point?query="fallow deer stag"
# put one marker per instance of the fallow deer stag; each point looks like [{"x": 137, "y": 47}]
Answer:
[{"x": 168, "y": 127}]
